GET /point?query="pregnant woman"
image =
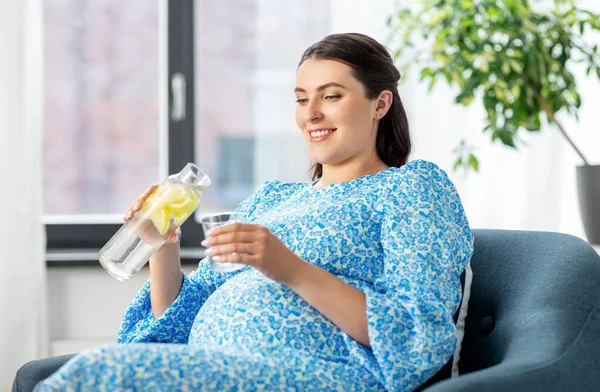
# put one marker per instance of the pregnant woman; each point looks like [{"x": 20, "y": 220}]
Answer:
[{"x": 351, "y": 279}]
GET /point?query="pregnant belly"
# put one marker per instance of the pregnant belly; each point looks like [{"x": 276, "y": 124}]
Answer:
[{"x": 255, "y": 314}]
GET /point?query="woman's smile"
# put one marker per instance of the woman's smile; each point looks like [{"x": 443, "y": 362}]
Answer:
[{"x": 320, "y": 134}]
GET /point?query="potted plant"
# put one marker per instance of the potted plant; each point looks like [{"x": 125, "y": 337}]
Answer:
[{"x": 512, "y": 58}]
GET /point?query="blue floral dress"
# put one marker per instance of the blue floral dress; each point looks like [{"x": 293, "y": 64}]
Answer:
[{"x": 400, "y": 235}]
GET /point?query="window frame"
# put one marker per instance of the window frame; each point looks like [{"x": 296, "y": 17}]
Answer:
[{"x": 180, "y": 142}]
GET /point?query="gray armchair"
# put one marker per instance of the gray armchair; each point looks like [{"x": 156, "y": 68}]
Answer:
[
  {"x": 534, "y": 315},
  {"x": 533, "y": 322}
]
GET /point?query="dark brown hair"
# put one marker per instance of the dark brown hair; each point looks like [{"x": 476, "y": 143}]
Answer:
[{"x": 374, "y": 68}]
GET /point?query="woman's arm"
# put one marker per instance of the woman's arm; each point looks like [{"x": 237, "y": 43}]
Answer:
[{"x": 166, "y": 277}]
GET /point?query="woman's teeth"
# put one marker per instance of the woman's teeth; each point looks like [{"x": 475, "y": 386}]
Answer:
[{"x": 321, "y": 133}]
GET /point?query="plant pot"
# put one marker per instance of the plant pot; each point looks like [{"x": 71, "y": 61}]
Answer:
[{"x": 588, "y": 189}]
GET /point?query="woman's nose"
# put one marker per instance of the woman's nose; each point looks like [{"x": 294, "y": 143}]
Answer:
[{"x": 313, "y": 112}]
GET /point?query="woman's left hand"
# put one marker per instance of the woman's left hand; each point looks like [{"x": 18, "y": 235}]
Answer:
[{"x": 253, "y": 245}]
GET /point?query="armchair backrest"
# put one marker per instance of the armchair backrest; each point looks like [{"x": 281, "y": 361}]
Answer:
[{"x": 531, "y": 295}]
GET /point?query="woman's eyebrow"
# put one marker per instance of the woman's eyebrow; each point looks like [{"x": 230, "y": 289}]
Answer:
[{"x": 323, "y": 87}]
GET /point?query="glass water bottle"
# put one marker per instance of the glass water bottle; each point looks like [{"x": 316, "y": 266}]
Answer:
[{"x": 171, "y": 203}]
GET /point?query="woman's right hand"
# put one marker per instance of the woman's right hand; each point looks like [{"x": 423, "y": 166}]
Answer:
[{"x": 174, "y": 233}]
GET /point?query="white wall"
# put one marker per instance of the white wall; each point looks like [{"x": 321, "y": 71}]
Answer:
[{"x": 86, "y": 304}]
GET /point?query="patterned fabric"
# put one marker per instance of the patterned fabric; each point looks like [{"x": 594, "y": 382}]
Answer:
[{"x": 400, "y": 235}]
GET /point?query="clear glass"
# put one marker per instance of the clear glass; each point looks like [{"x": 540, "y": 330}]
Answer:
[
  {"x": 101, "y": 99},
  {"x": 166, "y": 208},
  {"x": 219, "y": 219}
]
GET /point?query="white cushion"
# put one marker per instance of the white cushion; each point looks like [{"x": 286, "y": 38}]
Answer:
[{"x": 462, "y": 315}]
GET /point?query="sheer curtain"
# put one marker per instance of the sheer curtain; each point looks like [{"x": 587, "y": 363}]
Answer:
[
  {"x": 533, "y": 188},
  {"x": 23, "y": 329}
]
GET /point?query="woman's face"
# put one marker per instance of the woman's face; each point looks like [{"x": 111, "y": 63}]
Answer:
[{"x": 333, "y": 113}]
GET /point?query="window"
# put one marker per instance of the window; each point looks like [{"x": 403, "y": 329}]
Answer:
[
  {"x": 106, "y": 127},
  {"x": 101, "y": 105},
  {"x": 136, "y": 89},
  {"x": 247, "y": 52}
]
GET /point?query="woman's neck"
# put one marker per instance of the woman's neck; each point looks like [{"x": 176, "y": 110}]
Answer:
[{"x": 348, "y": 172}]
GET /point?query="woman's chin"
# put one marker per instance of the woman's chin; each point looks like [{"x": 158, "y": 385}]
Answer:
[
  {"x": 319, "y": 161},
  {"x": 323, "y": 159}
]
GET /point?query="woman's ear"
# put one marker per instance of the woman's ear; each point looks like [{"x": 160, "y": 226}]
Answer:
[{"x": 384, "y": 101}]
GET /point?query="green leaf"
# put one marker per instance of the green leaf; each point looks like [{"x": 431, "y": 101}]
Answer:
[
  {"x": 515, "y": 66},
  {"x": 507, "y": 138},
  {"x": 495, "y": 135},
  {"x": 457, "y": 164},
  {"x": 466, "y": 4},
  {"x": 448, "y": 78},
  {"x": 474, "y": 162},
  {"x": 431, "y": 84},
  {"x": 503, "y": 85},
  {"x": 485, "y": 67},
  {"x": 500, "y": 93},
  {"x": 576, "y": 97},
  {"x": 515, "y": 91},
  {"x": 529, "y": 26},
  {"x": 465, "y": 98}
]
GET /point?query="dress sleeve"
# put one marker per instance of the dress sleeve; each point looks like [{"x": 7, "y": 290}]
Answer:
[
  {"x": 139, "y": 324},
  {"x": 427, "y": 243}
]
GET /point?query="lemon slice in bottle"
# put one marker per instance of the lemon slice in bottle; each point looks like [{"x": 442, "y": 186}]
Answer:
[
  {"x": 170, "y": 201},
  {"x": 183, "y": 207},
  {"x": 152, "y": 200},
  {"x": 158, "y": 210},
  {"x": 161, "y": 220}
]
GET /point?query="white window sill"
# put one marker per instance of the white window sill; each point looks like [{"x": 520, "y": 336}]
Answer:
[{"x": 56, "y": 257}]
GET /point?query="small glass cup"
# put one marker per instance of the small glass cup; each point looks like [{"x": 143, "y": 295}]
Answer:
[{"x": 220, "y": 219}]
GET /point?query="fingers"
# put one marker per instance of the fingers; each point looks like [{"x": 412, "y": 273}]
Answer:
[
  {"x": 229, "y": 237},
  {"x": 174, "y": 236},
  {"x": 148, "y": 192},
  {"x": 137, "y": 205},
  {"x": 243, "y": 258},
  {"x": 237, "y": 247},
  {"x": 233, "y": 227}
]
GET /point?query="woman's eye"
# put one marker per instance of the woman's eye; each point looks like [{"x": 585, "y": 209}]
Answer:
[
  {"x": 302, "y": 101},
  {"x": 330, "y": 97}
]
